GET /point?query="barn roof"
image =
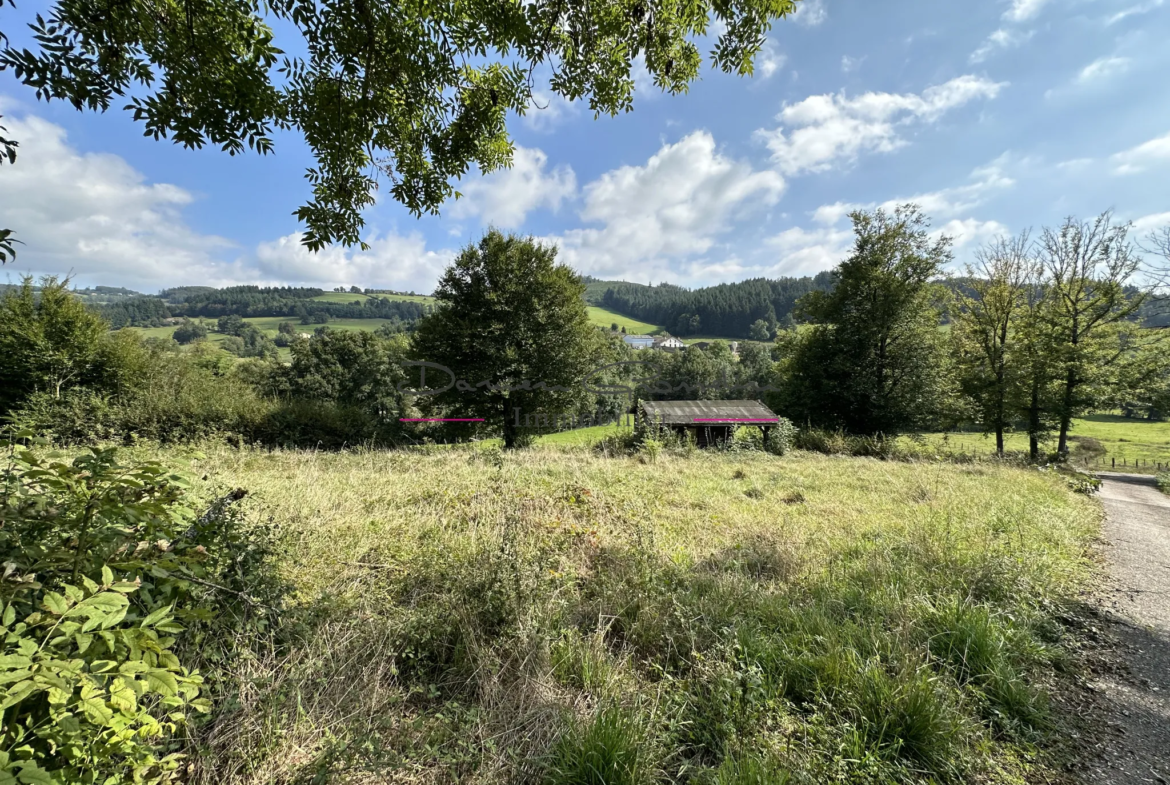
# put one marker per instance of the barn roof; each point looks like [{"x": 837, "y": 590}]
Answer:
[{"x": 707, "y": 412}]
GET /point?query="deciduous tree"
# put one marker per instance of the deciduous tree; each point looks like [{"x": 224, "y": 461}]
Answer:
[
  {"x": 1089, "y": 265},
  {"x": 49, "y": 340},
  {"x": 987, "y": 322},
  {"x": 874, "y": 361},
  {"x": 511, "y": 323}
]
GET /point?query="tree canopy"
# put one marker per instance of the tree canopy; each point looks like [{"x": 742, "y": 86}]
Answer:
[
  {"x": 872, "y": 362},
  {"x": 412, "y": 92},
  {"x": 512, "y": 324}
]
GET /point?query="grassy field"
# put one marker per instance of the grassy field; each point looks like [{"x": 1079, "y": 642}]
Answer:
[
  {"x": 468, "y": 616},
  {"x": 604, "y": 318},
  {"x": 349, "y": 297},
  {"x": 269, "y": 325},
  {"x": 1139, "y": 445}
]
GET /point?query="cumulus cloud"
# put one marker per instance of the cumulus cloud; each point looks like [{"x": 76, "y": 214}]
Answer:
[
  {"x": 828, "y": 242},
  {"x": 96, "y": 216},
  {"x": 970, "y": 231},
  {"x": 824, "y": 131},
  {"x": 93, "y": 214},
  {"x": 392, "y": 262},
  {"x": 1139, "y": 158},
  {"x": 810, "y": 13},
  {"x": 547, "y": 110},
  {"x": 505, "y": 197},
  {"x": 673, "y": 207},
  {"x": 807, "y": 252},
  {"x": 1150, "y": 223},
  {"x": 769, "y": 60}
]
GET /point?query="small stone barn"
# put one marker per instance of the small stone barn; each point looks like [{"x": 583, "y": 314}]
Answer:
[{"x": 711, "y": 422}]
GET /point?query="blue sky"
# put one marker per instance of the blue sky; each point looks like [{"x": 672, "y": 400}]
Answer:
[{"x": 996, "y": 117}]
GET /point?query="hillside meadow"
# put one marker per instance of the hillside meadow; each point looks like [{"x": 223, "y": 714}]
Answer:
[{"x": 464, "y": 615}]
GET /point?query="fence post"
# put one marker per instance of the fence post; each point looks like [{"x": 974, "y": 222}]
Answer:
[{"x": 1114, "y": 463}]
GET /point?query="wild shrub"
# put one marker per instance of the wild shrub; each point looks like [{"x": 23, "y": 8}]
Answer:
[
  {"x": 780, "y": 438},
  {"x": 1087, "y": 447},
  {"x": 1164, "y": 482},
  {"x": 108, "y": 574}
]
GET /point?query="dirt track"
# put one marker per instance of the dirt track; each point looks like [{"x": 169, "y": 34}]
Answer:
[{"x": 1137, "y": 601}]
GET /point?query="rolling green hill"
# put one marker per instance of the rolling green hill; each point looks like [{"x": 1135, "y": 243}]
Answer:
[{"x": 606, "y": 318}]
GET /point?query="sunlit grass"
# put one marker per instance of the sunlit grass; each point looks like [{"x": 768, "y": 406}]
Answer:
[
  {"x": 606, "y": 318},
  {"x": 1132, "y": 444},
  {"x": 471, "y": 615}
]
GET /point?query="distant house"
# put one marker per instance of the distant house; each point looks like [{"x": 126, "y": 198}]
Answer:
[
  {"x": 710, "y": 422},
  {"x": 639, "y": 341},
  {"x": 668, "y": 342}
]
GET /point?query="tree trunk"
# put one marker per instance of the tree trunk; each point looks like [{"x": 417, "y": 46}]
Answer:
[
  {"x": 1070, "y": 384},
  {"x": 1000, "y": 417},
  {"x": 511, "y": 420},
  {"x": 1034, "y": 423}
]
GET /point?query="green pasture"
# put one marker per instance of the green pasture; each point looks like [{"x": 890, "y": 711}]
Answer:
[
  {"x": 1133, "y": 443},
  {"x": 606, "y": 318}
]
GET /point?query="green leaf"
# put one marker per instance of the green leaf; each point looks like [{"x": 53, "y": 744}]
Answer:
[
  {"x": 107, "y": 575},
  {"x": 158, "y": 616},
  {"x": 14, "y": 661},
  {"x": 9, "y": 615},
  {"x": 32, "y": 774},
  {"x": 55, "y": 603},
  {"x": 162, "y": 682}
]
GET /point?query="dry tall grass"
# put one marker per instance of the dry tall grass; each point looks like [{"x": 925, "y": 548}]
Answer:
[{"x": 471, "y": 616}]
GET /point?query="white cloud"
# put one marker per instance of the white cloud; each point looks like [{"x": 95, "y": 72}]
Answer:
[
  {"x": 392, "y": 262},
  {"x": 505, "y": 197},
  {"x": 810, "y": 13},
  {"x": 850, "y": 63},
  {"x": 1150, "y": 223},
  {"x": 1003, "y": 38},
  {"x": 94, "y": 214},
  {"x": 673, "y": 207},
  {"x": 769, "y": 60},
  {"x": 824, "y": 245},
  {"x": 807, "y": 252},
  {"x": 827, "y": 130},
  {"x": 1140, "y": 8},
  {"x": 644, "y": 86},
  {"x": 1024, "y": 10},
  {"x": 547, "y": 110},
  {"x": 970, "y": 231},
  {"x": 1103, "y": 68},
  {"x": 1139, "y": 158}
]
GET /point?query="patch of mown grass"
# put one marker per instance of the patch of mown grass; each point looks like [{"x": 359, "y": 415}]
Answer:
[{"x": 560, "y": 617}]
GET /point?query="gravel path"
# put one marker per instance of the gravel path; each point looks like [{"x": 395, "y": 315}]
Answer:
[{"x": 1137, "y": 602}]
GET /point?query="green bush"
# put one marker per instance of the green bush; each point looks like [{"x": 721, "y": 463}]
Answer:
[
  {"x": 1164, "y": 482},
  {"x": 109, "y": 576},
  {"x": 611, "y": 749}
]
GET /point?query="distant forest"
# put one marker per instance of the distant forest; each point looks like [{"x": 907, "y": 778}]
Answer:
[
  {"x": 728, "y": 309},
  {"x": 293, "y": 302}
]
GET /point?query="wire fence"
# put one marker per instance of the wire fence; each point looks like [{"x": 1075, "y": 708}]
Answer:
[{"x": 1088, "y": 461}]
